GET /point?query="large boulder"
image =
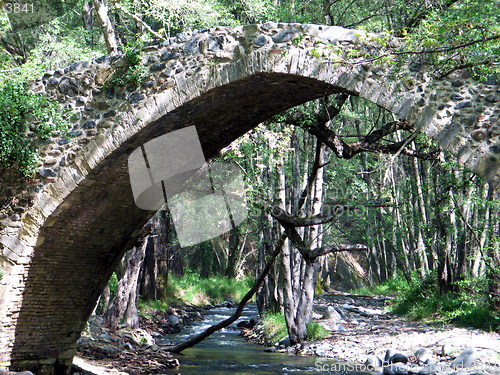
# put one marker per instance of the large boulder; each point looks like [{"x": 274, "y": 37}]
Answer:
[
  {"x": 173, "y": 320},
  {"x": 373, "y": 363},
  {"x": 388, "y": 354},
  {"x": 332, "y": 314},
  {"x": 465, "y": 359}
]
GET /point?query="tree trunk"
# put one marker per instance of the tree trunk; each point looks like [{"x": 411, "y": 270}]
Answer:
[
  {"x": 267, "y": 296},
  {"x": 87, "y": 15},
  {"x": 478, "y": 263},
  {"x": 124, "y": 304},
  {"x": 107, "y": 28},
  {"x": 258, "y": 283},
  {"x": 299, "y": 296},
  {"x": 443, "y": 241},
  {"x": 234, "y": 252},
  {"x": 494, "y": 254}
]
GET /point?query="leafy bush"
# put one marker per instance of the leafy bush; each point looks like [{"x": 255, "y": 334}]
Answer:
[
  {"x": 20, "y": 111},
  {"x": 146, "y": 307},
  {"x": 316, "y": 331},
  {"x": 134, "y": 72},
  {"x": 274, "y": 326},
  {"x": 389, "y": 287}
]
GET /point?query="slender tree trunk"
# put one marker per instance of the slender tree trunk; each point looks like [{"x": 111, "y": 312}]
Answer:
[
  {"x": 125, "y": 302},
  {"x": 107, "y": 28},
  {"x": 234, "y": 252},
  {"x": 444, "y": 240},
  {"x": 494, "y": 254},
  {"x": 105, "y": 299},
  {"x": 87, "y": 15},
  {"x": 267, "y": 296},
  {"x": 478, "y": 262}
]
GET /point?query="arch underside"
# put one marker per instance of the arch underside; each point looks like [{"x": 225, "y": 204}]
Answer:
[{"x": 82, "y": 242}]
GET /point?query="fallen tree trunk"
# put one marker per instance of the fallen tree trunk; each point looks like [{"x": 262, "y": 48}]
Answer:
[{"x": 223, "y": 324}]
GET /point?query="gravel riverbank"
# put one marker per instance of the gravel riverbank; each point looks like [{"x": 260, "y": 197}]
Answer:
[{"x": 362, "y": 333}]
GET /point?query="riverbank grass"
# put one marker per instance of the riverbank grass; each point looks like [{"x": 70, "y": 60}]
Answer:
[
  {"x": 274, "y": 328},
  {"x": 195, "y": 290},
  {"x": 421, "y": 300}
]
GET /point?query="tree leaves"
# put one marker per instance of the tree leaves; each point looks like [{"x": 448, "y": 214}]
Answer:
[{"x": 22, "y": 111}]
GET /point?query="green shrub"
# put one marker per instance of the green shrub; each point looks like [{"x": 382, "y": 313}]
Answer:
[
  {"x": 274, "y": 326},
  {"x": 316, "y": 331},
  {"x": 134, "y": 72},
  {"x": 146, "y": 307},
  {"x": 389, "y": 287},
  {"x": 22, "y": 110}
]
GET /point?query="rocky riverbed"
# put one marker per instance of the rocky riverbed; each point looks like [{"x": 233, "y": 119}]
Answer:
[
  {"x": 132, "y": 351},
  {"x": 362, "y": 333}
]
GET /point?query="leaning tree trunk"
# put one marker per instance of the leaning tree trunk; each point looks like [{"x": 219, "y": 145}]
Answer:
[
  {"x": 125, "y": 302},
  {"x": 108, "y": 31},
  {"x": 247, "y": 297}
]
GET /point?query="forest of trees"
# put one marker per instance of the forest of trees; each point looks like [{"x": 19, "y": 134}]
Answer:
[{"x": 333, "y": 185}]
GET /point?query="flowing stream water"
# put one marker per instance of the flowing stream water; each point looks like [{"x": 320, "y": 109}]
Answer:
[{"x": 225, "y": 352}]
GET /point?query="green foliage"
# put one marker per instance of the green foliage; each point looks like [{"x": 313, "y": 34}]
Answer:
[
  {"x": 134, "y": 72},
  {"x": 176, "y": 16},
  {"x": 146, "y": 307},
  {"x": 389, "y": 287},
  {"x": 113, "y": 285},
  {"x": 60, "y": 43},
  {"x": 316, "y": 331},
  {"x": 464, "y": 22},
  {"x": 22, "y": 110},
  {"x": 422, "y": 300},
  {"x": 274, "y": 326},
  {"x": 275, "y": 330},
  {"x": 195, "y": 290}
]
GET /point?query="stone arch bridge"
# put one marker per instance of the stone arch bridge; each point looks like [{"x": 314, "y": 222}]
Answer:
[{"x": 62, "y": 234}]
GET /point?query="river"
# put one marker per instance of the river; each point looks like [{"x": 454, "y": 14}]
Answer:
[{"x": 225, "y": 352}]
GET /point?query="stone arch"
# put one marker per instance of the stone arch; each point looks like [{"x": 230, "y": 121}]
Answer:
[{"x": 60, "y": 250}]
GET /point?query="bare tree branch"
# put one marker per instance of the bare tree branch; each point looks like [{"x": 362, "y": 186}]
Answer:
[
  {"x": 137, "y": 19},
  {"x": 309, "y": 255}
]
